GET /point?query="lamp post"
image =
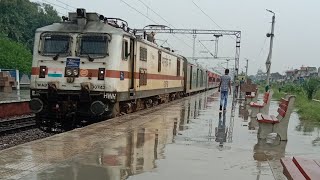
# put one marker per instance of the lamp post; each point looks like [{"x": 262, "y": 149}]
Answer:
[
  {"x": 271, "y": 35},
  {"x": 247, "y": 68}
]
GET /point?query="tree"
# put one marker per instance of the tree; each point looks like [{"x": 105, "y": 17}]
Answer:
[
  {"x": 14, "y": 55},
  {"x": 20, "y": 18},
  {"x": 311, "y": 86}
]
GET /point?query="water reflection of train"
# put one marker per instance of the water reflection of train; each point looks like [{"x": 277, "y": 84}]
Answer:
[
  {"x": 191, "y": 109},
  {"x": 128, "y": 155},
  {"x": 145, "y": 145}
]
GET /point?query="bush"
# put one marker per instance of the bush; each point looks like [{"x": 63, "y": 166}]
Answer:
[
  {"x": 14, "y": 55},
  {"x": 311, "y": 86},
  {"x": 308, "y": 110},
  {"x": 292, "y": 88}
]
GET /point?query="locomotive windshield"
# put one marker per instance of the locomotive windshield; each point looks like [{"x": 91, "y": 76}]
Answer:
[
  {"x": 56, "y": 44},
  {"x": 94, "y": 45}
]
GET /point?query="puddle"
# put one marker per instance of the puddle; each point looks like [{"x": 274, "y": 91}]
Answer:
[{"x": 188, "y": 140}]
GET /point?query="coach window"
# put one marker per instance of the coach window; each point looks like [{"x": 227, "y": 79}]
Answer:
[
  {"x": 143, "y": 54},
  {"x": 159, "y": 61},
  {"x": 178, "y": 67},
  {"x": 56, "y": 45}
]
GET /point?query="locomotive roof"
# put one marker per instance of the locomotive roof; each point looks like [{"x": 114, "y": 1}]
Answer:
[{"x": 93, "y": 24}]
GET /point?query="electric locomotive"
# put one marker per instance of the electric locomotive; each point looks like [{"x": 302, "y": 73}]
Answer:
[{"x": 89, "y": 67}]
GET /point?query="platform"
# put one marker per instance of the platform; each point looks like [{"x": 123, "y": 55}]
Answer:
[
  {"x": 15, "y": 96},
  {"x": 173, "y": 141}
]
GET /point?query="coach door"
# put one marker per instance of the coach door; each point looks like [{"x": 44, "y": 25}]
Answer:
[
  {"x": 132, "y": 67},
  {"x": 191, "y": 77}
]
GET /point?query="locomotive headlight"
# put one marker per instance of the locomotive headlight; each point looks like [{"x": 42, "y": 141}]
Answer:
[
  {"x": 75, "y": 72},
  {"x": 71, "y": 72},
  {"x": 68, "y": 72}
]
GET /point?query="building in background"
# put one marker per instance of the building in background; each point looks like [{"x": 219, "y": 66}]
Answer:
[
  {"x": 276, "y": 77},
  {"x": 298, "y": 75},
  {"x": 261, "y": 76}
]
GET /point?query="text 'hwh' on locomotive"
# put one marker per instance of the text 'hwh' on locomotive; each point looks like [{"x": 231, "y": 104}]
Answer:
[{"x": 88, "y": 68}]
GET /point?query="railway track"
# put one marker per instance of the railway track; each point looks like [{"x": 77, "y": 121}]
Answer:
[
  {"x": 26, "y": 122},
  {"x": 17, "y": 123}
]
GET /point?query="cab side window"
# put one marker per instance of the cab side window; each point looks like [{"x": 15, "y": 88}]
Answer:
[
  {"x": 125, "y": 50},
  {"x": 159, "y": 61},
  {"x": 178, "y": 67}
]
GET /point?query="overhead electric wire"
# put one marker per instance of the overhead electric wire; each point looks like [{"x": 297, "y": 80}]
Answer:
[
  {"x": 168, "y": 23},
  {"x": 56, "y": 5},
  {"x": 66, "y": 4},
  {"x": 41, "y": 3},
  {"x": 66, "y": 8},
  {"x": 155, "y": 12},
  {"x": 161, "y": 17},
  {"x": 151, "y": 20},
  {"x": 138, "y": 11},
  {"x": 206, "y": 48},
  {"x": 164, "y": 20},
  {"x": 263, "y": 46},
  {"x": 210, "y": 17},
  {"x": 207, "y": 15}
]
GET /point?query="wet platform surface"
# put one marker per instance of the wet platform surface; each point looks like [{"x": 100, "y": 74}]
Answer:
[
  {"x": 185, "y": 139},
  {"x": 15, "y": 96}
]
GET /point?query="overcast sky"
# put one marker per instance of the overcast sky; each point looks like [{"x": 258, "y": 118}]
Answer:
[{"x": 296, "y": 43}]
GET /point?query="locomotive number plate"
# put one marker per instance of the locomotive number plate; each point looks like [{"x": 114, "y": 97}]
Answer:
[{"x": 98, "y": 87}]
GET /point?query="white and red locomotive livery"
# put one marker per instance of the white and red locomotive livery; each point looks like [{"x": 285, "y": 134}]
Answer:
[{"x": 88, "y": 68}]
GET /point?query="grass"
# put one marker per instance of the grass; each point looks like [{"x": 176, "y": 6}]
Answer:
[
  {"x": 307, "y": 110},
  {"x": 277, "y": 95},
  {"x": 317, "y": 95}
]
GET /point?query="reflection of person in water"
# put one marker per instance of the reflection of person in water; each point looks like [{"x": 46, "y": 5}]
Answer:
[{"x": 221, "y": 130}]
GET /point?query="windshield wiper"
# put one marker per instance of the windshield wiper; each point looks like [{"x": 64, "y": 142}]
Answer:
[
  {"x": 90, "y": 58},
  {"x": 56, "y": 56},
  {"x": 64, "y": 50}
]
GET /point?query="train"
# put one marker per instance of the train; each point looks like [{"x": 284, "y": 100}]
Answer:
[{"x": 88, "y": 68}]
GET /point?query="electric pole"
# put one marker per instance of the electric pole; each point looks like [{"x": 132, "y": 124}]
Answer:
[
  {"x": 247, "y": 68},
  {"x": 216, "y": 47},
  {"x": 228, "y": 63},
  {"x": 194, "y": 47},
  {"x": 271, "y": 35}
]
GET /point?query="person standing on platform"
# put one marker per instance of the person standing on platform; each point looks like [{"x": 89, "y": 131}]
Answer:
[
  {"x": 241, "y": 85},
  {"x": 224, "y": 87},
  {"x": 237, "y": 84}
]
